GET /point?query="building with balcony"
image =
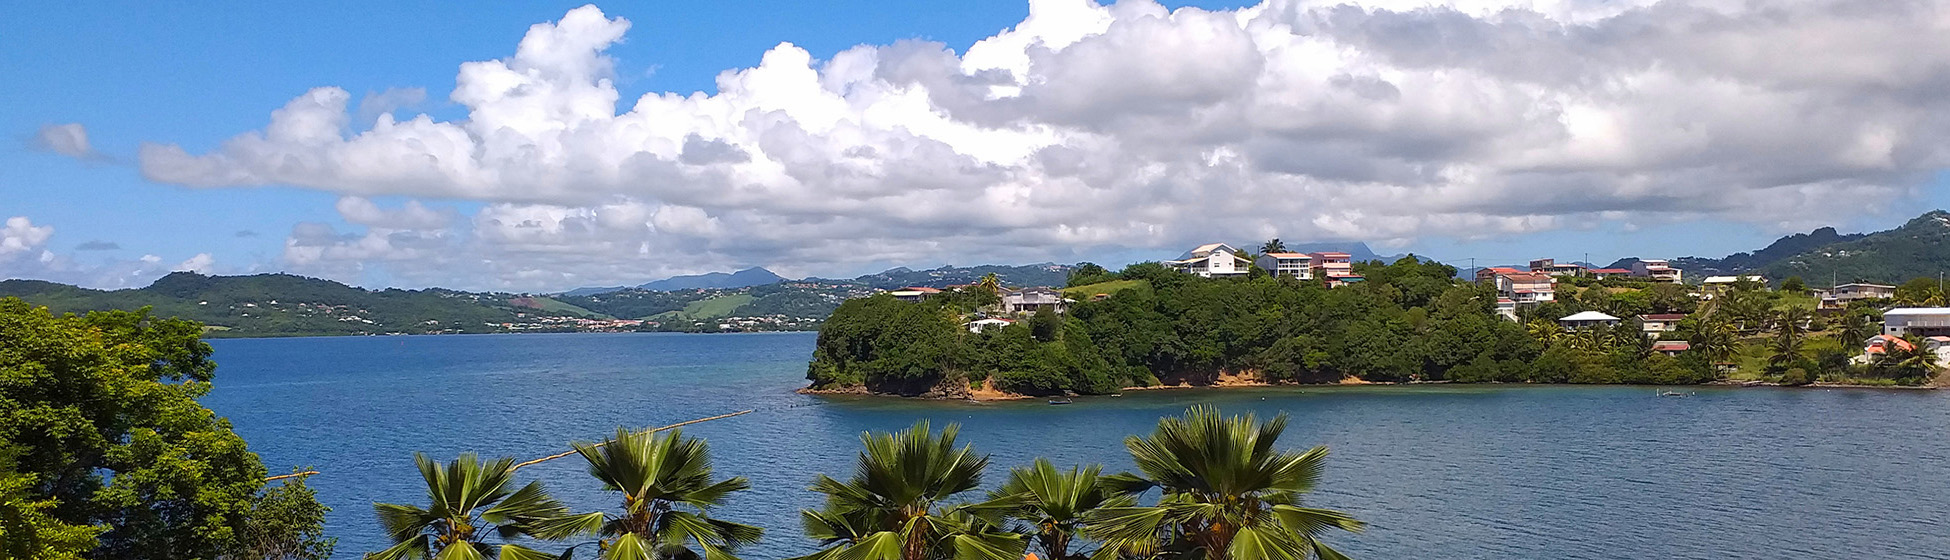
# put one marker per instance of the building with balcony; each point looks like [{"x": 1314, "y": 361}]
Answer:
[{"x": 1287, "y": 265}]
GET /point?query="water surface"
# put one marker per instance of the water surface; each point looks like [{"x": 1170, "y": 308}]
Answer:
[{"x": 1437, "y": 471}]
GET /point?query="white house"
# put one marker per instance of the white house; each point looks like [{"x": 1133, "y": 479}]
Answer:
[
  {"x": 1289, "y": 265},
  {"x": 1212, "y": 259},
  {"x": 1656, "y": 324},
  {"x": 979, "y": 325},
  {"x": 913, "y": 293},
  {"x": 1587, "y": 319},
  {"x": 1919, "y": 321},
  {"x": 1031, "y": 300}
]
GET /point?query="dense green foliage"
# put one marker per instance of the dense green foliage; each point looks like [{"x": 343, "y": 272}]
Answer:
[{"x": 101, "y": 427}]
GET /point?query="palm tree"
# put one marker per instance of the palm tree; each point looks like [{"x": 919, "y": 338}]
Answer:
[
  {"x": 1789, "y": 332},
  {"x": 1545, "y": 331},
  {"x": 990, "y": 284},
  {"x": 1715, "y": 339},
  {"x": 1907, "y": 361},
  {"x": 1856, "y": 328},
  {"x": 668, "y": 490},
  {"x": 1227, "y": 494},
  {"x": 472, "y": 501},
  {"x": 1054, "y": 503},
  {"x": 1272, "y": 246},
  {"x": 895, "y": 507}
]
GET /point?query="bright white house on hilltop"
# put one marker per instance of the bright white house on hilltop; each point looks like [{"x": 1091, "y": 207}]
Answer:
[{"x": 1212, "y": 259}]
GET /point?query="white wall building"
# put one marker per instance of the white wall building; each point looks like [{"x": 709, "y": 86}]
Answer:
[
  {"x": 1289, "y": 265},
  {"x": 1919, "y": 321},
  {"x": 1212, "y": 259}
]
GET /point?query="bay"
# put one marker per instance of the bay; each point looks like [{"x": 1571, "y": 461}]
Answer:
[{"x": 1437, "y": 471}]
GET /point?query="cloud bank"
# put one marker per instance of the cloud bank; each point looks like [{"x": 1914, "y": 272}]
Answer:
[
  {"x": 1088, "y": 128},
  {"x": 24, "y": 254}
]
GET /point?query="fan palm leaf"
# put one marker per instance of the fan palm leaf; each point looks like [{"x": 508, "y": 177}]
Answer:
[
  {"x": 668, "y": 489},
  {"x": 896, "y": 504},
  {"x": 1227, "y": 493},
  {"x": 470, "y": 501}
]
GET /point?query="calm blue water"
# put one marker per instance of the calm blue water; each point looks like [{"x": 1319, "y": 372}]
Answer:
[{"x": 1438, "y": 472}]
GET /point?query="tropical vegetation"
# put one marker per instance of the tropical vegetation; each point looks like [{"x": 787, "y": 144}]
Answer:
[{"x": 106, "y": 453}]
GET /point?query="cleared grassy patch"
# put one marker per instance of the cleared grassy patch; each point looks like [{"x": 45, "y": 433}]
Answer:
[
  {"x": 1111, "y": 287},
  {"x": 554, "y": 306}
]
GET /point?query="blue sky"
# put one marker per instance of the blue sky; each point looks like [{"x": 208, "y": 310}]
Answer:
[{"x": 197, "y": 76}]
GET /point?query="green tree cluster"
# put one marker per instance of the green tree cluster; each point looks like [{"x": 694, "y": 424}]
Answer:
[{"x": 105, "y": 452}]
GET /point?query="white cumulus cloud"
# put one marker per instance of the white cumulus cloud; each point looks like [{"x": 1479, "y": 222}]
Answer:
[{"x": 1089, "y": 127}]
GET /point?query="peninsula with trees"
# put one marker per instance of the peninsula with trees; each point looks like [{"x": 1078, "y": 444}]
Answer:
[{"x": 1221, "y": 316}]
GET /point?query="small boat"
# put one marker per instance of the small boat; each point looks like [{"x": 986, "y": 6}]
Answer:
[
  {"x": 1674, "y": 394},
  {"x": 1059, "y": 401}
]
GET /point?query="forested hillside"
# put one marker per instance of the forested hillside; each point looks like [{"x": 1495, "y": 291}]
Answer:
[{"x": 286, "y": 305}]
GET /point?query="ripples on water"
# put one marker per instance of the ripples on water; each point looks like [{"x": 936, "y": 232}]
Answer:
[{"x": 1437, "y": 471}]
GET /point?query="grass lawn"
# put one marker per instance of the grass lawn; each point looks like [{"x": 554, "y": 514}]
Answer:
[
  {"x": 1111, "y": 287},
  {"x": 553, "y": 306}
]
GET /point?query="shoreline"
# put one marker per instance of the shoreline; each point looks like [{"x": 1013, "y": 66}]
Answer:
[{"x": 995, "y": 395}]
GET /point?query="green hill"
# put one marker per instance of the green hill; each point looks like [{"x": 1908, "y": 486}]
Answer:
[
  {"x": 1919, "y": 248},
  {"x": 288, "y": 305}
]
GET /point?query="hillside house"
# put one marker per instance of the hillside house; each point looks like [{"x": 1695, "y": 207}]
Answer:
[
  {"x": 1585, "y": 320},
  {"x": 1603, "y": 273},
  {"x": 1506, "y": 308},
  {"x": 979, "y": 325},
  {"x": 1287, "y": 265},
  {"x": 1524, "y": 288},
  {"x": 913, "y": 293},
  {"x": 1671, "y": 347},
  {"x": 1656, "y": 270},
  {"x": 1212, "y": 260},
  {"x": 1656, "y": 324},
  {"x": 1919, "y": 321},
  {"x": 1336, "y": 268},
  {"x": 1846, "y": 293},
  {"x": 1031, "y": 300},
  {"x": 1551, "y": 267}
]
